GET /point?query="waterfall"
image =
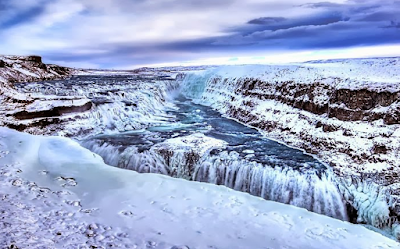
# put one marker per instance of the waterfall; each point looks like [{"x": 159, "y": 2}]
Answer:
[
  {"x": 194, "y": 85},
  {"x": 127, "y": 157},
  {"x": 313, "y": 190}
]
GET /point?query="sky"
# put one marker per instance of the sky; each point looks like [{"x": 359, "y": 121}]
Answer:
[{"x": 126, "y": 34}]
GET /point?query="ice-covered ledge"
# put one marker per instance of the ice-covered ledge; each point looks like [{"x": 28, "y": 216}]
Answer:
[
  {"x": 182, "y": 154},
  {"x": 64, "y": 194},
  {"x": 198, "y": 142}
]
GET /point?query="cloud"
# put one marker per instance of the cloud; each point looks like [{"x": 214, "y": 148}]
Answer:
[
  {"x": 112, "y": 33},
  {"x": 335, "y": 25},
  {"x": 267, "y": 20},
  {"x": 13, "y": 13}
]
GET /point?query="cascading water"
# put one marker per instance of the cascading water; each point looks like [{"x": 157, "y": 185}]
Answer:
[
  {"x": 135, "y": 125},
  {"x": 121, "y": 102},
  {"x": 201, "y": 145}
]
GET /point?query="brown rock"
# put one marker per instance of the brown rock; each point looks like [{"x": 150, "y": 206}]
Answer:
[{"x": 34, "y": 58}]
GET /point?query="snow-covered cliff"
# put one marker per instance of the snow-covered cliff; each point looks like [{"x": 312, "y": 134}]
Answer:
[
  {"x": 347, "y": 112},
  {"x": 28, "y": 69},
  {"x": 14, "y": 69}
]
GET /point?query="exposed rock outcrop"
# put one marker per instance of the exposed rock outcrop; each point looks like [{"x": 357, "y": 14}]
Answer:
[
  {"x": 33, "y": 110},
  {"x": 30, "y": 68},
  {"x": 321, "y": 98}
]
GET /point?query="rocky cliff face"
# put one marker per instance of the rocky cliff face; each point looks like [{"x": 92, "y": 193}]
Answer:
[
  {"x": 324, "y": 99},
  {"x": 28, "y": 69}
]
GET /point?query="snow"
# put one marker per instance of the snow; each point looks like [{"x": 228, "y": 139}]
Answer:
[
  {"x": 43, "y": 104},
  {"x": 197, "y": 142},
  {"x": 380, "y": 74},
  {"x": 371, "y": 203},
  {"x": 109, "y": 206},
  {"x": 248, "y": 151}
]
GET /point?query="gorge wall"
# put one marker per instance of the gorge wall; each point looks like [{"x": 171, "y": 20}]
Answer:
[{"x": 345, "y": 112}]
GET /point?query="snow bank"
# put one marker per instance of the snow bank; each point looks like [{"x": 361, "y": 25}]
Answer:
[{"x": 113, "y": 207}]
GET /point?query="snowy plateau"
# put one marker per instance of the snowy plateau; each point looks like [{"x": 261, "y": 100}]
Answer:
[{"x": 252, "y": 156}]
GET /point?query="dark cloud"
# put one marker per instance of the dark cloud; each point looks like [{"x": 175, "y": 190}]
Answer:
[
  {"x": 379, "y": 16},
  {"x": 267, "y": 20},
  {"x": 11, "y": 16},
  {"x": 322, "y": 5},
  {"x": 278, "y": 23},
  {"x": 393, "y": 24},
  {"x": 116, "y": 54}
]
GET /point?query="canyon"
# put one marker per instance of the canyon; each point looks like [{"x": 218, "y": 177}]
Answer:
[{"x": 346, "y": 113}]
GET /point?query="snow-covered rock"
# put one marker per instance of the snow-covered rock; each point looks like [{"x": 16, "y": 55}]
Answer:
[
  {"x": 182, "y": 154},
  {"x": 34, "y": 111},
  {"x": 29, "y": 69}
]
